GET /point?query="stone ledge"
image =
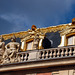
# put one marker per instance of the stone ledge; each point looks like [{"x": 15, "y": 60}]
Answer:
[{"x": 38, "y": 64}]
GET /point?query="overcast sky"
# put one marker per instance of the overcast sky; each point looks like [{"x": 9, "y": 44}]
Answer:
[{"x": 20, "y": 15}]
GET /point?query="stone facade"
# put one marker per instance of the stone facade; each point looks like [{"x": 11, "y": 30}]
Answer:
[{"x": 16, "y": 59}]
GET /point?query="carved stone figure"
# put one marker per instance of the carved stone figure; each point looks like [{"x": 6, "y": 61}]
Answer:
[
  {"x": 11, "y": 50},
  {"x": 36, "y": 42},
  {"x": 2, "y": 48}
]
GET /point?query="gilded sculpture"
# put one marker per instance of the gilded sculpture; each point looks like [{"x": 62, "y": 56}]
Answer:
[
  {"x": 34, "y": 35},
  {"x": 36, "y": 42},
  {"x": 22, "y": 34}
]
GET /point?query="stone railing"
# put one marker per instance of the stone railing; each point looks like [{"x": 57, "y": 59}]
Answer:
[
  {"x": 57, "y": 52},
  {"x": 44, "y": 58},
  {"x": 28, "y": 55},
  {"x": 23, "y": 56},
  {"x": 35, "y": 55}
]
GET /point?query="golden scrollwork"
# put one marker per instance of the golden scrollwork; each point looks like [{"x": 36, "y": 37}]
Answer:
[
  {"x": 22, "y": 34},
  {"x": 68, "y": 30}
]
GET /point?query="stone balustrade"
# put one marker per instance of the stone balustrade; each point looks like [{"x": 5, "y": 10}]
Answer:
[
  {"x": 28, "y": 55},
  {"x": 52, "y": 53},
  {"x": 33, "y": 59},
  {"x": 57, "y": 52},
  {"x": 23, "y": 56}
]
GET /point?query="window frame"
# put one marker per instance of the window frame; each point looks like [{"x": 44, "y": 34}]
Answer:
[
  {"x": 68, "y": 36},
  {"x": 27, "y": 41}
]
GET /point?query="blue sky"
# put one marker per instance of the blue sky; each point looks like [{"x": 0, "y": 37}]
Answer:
[{"x": 20, "y": 15}]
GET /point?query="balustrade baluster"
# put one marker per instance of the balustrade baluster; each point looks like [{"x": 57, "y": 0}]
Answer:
[
  {"x": 50, "y": 53},
  {"x": 54, "y": 55},
  {"x": 70, "y": 52},
  {"x": 47, "y": 54},
  {"x": 43, "y": 55},
  {"x": 66, "y": 53},
  {"x": 74, "y": 51},
  {"x": 24, "y": 57},
  {"x": 21, "y": 57},
  {"x": 40, "y": 54},
  {"x": 62, "y": 53},
  {"x": 58, "y": 52},
  {"x": 27, "y": 56}
]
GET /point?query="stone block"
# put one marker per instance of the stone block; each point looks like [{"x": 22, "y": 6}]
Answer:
[{"x": 33, "y": 55}]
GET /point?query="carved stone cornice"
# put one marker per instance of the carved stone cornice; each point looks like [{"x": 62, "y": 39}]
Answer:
[{"x": 38, "y": 30}]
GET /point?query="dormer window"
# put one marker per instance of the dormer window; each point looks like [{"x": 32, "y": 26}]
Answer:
[
  {"x": 32, "y": 40},
  {"x": 29, "y": 44},
  {"x": 71, "y": 40}
]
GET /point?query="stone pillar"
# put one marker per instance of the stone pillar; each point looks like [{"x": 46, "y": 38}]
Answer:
[{"x": 63, "y": 41}]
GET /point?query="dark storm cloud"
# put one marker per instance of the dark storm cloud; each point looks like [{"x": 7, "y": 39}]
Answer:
[{"x": 22, "y": 14}]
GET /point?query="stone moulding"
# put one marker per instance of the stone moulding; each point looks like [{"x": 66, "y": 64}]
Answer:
[
  {"x": 37, "y": 64},
  {"x": 42, "y": 58}
]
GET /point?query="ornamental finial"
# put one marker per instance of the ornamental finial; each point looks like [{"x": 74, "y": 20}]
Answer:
[
  {"x": 33, "y": 27},
  {"x": 73, "y": 21}
]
